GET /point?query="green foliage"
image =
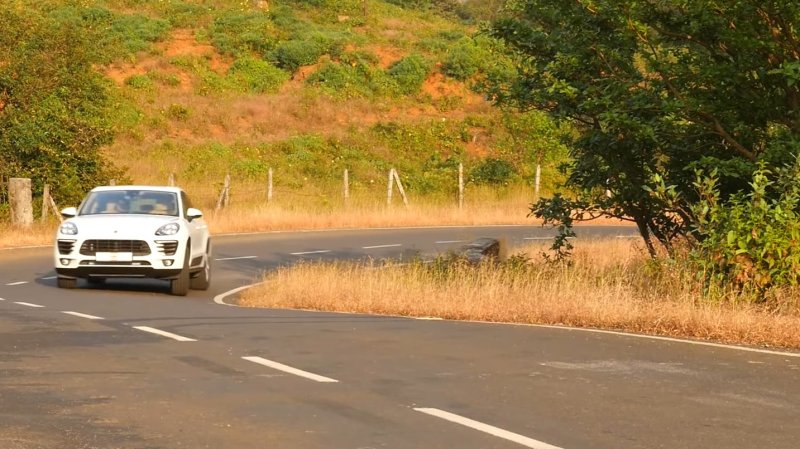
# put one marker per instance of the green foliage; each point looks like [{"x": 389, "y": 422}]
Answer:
[
  {"x": 464, "y": 60},
  {"x": 256, "y": 75},
  {"x": 656, "y": 91},
  {"x": 139, "y": 82},
  {"x": 347, "y": 81},
  {"x": 409, "y": 73},
  {"x": 293, "y": 54},
  {"x": 239, "y": 33},
  {"x": 752, "y": 240},
  {"x": 54, "y": 107},
  {"x": 493, "y": 171}
]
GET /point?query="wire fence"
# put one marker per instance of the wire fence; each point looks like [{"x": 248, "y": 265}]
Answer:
[{"x": 217, "y": 195}]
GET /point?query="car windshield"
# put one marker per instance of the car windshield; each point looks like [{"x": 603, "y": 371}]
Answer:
[{"x": 138, "y": 202}]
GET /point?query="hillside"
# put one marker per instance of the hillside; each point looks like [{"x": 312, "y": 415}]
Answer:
[{"x": 201, "y": 89}]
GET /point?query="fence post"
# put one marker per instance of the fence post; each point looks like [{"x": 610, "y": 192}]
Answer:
[
  {"x": 389, "y": 189},
  {"x": 400, "y": 187},
  {"x": 537, "y": 182},
  {"x": 171, "y": 180},
  {"x": 346, "y": 187},
  {"x": 21, "y": 198},
  {"x": 112, "y": 182},
  {"x": 52, "y": 203},
  {"x": 227, "y": 190},
  {"x": 45, "y": 204},
  {"x": 269, "y": 185},
  {"x": 223, "y": 196},
  {"x": 460, "y": 185}
]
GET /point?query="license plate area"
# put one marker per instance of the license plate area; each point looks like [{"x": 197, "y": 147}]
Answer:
[{"x": 114, "y": 257}]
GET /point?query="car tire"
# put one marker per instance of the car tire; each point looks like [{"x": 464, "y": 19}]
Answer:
[
  {"x": 67, "y": 282},
  {"x": 180, "y": 286},
  {"x": 203, "y": 279}
]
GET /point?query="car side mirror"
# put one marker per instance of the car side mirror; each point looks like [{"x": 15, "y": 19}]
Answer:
[
  {"x": 193, "y": 213},
  {"x": 69, "y": 212}
]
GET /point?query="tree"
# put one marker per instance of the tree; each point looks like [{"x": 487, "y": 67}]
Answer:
[
  {"x": 53, "y": 105},
  {"x": 658, "y": 90}
]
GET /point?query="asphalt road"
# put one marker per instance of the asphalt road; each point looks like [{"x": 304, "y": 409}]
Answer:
[{"x": 128, "y": 366}]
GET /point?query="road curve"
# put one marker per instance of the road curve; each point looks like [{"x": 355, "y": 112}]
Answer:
[{"x": 128, "y": 366}]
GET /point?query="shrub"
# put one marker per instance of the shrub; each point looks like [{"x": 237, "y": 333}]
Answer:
[
  {"x": 463, "y": 60},
  {"x": 241, "y": 33},
  {"x": 139, "y": 82},
  {"x": 178, "y": 112},
  {"x": 293, "y": 54},
  {"x": 751, "y": 241},
  {"x": 341, "y": 81},
  {"x": 256, "y": 75},
  {"x": 493, "y": 171},
  {"x": 410, "y": 72}
]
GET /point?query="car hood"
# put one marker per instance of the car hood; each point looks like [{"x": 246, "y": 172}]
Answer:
[{"x": 120, "y": 226}]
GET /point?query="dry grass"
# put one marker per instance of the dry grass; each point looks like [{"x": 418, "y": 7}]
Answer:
[
  {"x": 37, "y": 234},
  {"x": 610, "y": 286}
]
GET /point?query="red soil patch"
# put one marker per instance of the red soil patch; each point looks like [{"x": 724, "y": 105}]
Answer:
[
  {"x": 181, "y": 43},
  {"x": 386, "y": 55}
]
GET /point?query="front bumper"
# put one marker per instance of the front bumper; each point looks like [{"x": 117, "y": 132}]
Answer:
[
  {"x": 102, "y": 271},
  {"x": 161, "y": 258}
]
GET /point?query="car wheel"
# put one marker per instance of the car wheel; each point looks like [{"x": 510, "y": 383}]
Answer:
[
  {"x": 67, "y": 282},
  {"x": 203, "y": 279},
  {"x": 180, "y": 286}
]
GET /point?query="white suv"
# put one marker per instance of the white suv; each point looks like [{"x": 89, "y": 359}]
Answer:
[{"x": 134, "y": 232}]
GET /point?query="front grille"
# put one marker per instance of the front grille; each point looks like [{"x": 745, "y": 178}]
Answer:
[
  {"x": 65, "y": 246},
  {"x": 167, "y": 247},
  {"x": 137, "y": 247}
]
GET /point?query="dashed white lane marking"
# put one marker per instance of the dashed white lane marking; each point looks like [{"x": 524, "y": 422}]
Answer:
[
  {"x": 486, "y": 428},
  {"x": 153, "y": 330},
  {"x": 289, "y": 369},
  {"x": 443, "y": 242},
  {"x": 49, "y": 278},
  {"x": 237, "y": 258},
  {"x": 2, "y": 299},
  {"x": 16, "y": 283},
  {"x": 395, "y": 245},
  {"x": 322, "y": 251},
  {"x": 27, "y": 304},
  {"x": 83, "y": 315}
]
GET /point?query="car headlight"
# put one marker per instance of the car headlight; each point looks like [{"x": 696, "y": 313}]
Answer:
[
  {"x": 68, "y": 228},
  {"x": 169, "y": 229}
]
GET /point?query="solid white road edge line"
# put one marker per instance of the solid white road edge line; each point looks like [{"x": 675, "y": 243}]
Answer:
[
  {"x": 220, "y": 299},
  {"x": 49, "y": 278},
  {"x": 486, "y": 428},
  {"x": 153, "y": 330},
  {"x": 289, "y": 369},
  {"x": 382, "y": 246},
  {"x": 237, "y": 258},
  {"x": 83, "y": 315},
  {"x": 321, "y": 251},
  {"x": 27, "y": 304},
  {"x": 16, "y": 283}
]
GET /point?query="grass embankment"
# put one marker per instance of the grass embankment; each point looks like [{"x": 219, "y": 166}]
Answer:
[{"x": 611, "y": 285}]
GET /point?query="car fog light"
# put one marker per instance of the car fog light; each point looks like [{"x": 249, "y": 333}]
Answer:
[
  {"x": 168, "y": 262},
  {"x": 65, "y": 261}
]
